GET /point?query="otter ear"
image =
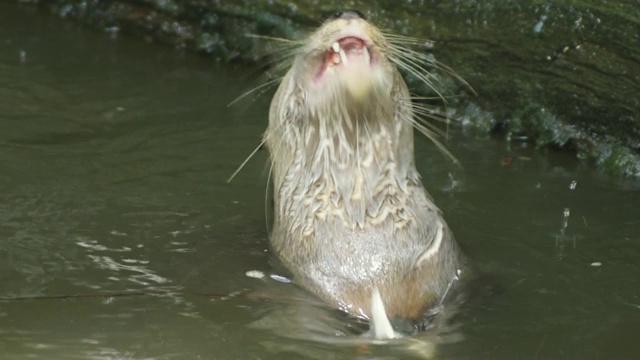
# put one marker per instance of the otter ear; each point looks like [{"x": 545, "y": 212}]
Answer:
[{"x": 434, "y": 245}]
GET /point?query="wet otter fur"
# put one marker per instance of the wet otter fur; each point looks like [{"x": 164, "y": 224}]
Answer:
[{"x": 351, "y": 216}]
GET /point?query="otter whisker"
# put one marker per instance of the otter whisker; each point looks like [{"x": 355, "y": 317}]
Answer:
[
  {"x": 415, "y": 97},
  {"x": 446, "y": 69},
  {"x": 416, "y": 70},
  {"x": 418, "y": 56},
  {"x": 415, "y": 67},
  {"x": 262, "y": 87},
  {"x": 425, "y": 116},
  {"x": 426, "y": 111},
  {"x": 398, "y": 46},
  {"x": 422, "y": 118},
  {"x": 281, "y": 59},
  {"x": 280, "y": 55},
  {"x": 403, "y": 42},
  {"x": 425, "y": 126},
  {"x": 423, "y": 113},
  {"x": 247, "y": 160},
  {"x": 281, "y": 46},
  {"x": 393, "y": 37},
  {"x": 279, "y": 49},
  {"x": 279, "y": 39},
  {"x": 431, "y": 135},
  {"x": 262, "y": 143},
  {"x": 417, "y": 59}
]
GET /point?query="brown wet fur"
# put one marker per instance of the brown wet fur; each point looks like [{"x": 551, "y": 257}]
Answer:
[{"x": 351, "y": 213}]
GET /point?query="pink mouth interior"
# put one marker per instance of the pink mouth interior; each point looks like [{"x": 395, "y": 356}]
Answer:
[
  {"x": 351, "y": 43},
  {"x": 352, "y": 47}
]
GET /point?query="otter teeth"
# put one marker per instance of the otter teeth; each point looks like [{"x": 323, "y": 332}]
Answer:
[
  {"x": 343, "y": 57},
  {"x": 337, "y": 49}
]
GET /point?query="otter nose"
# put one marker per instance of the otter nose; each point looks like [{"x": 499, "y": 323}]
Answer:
[{"x": 349, "y": 15}]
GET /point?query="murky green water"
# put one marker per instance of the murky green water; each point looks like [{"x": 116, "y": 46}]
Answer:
[{"x": 114, "y": 158}]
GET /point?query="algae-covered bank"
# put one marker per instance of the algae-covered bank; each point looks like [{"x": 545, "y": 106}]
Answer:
[{"x": 559, "y": 74}]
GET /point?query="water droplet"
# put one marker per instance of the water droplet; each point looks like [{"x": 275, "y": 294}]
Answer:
[
  {"x": 573, "y": 185},
  {"x": 538, "y": 27},
  {"x": 281, "y": 279},
  {"x": 256, "y": 274}
]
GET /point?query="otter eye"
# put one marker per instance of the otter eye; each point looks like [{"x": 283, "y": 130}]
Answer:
[{"x": 349, "y": 14}]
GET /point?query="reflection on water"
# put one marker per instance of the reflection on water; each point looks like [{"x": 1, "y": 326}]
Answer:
[{"x": 117, "y": 223}]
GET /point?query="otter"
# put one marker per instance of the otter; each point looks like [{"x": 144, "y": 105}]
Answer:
[{"x": 352, "y": 220}]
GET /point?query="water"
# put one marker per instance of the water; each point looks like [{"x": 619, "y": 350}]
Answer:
[{"x": 115, "y": 155}]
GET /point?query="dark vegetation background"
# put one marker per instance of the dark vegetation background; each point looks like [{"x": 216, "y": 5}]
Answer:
[{"x": 561, "y": 74}]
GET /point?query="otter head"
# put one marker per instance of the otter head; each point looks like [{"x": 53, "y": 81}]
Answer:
[
  {"x": 341, "y": 94},
  {"x": 344, "y": 58},
  {"x": 344, "y": 61}
]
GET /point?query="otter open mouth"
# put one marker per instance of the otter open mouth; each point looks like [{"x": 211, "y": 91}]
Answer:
[
  {"x": 348, "y": 47},
  {"x": 349, "y": 51}
]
